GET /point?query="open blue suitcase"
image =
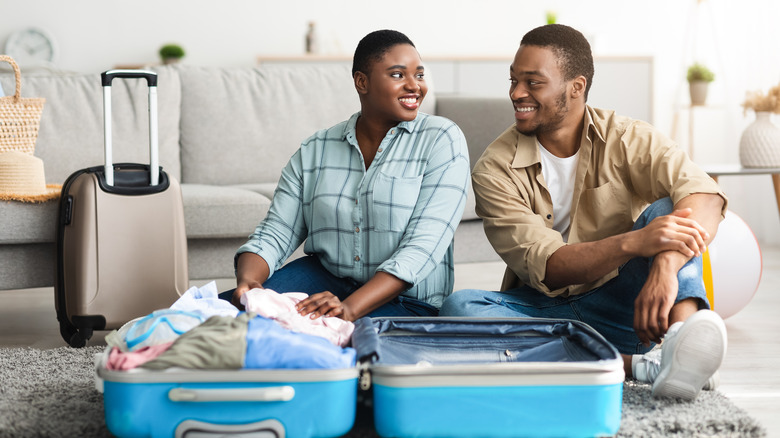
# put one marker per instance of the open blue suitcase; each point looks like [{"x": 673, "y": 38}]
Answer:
[{"x": 427, "y": 377}]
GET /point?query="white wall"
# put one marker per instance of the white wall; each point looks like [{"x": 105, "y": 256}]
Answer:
[{"x": 738, "y": 40}]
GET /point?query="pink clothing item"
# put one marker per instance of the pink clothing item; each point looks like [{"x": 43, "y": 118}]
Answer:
[
  {"x": 127, "y": 360},
  {"x": 281, "y": 308}
]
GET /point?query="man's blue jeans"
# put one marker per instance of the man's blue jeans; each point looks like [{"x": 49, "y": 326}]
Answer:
[
  {"x": 609, "y": 309},
  {"x": 307, "y": 275}
]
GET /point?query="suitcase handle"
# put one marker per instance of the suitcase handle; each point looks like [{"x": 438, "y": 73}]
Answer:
[
  {"x": 269, "y": 394},
  {"x": 108, "y": 76},
  {"x": 151, "y": 80}
]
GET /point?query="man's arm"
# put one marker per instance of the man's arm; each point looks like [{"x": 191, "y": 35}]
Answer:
[
  {"x": 680, "y": 233},
  {"x": 654, "y": 303}
]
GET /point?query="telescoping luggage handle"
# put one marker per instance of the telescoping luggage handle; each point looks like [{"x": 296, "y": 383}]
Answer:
[{"x": 151, "y": 80}]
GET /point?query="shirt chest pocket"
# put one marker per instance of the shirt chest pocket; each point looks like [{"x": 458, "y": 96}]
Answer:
[
  {"x": 393, "y": 201},
  {"x": 603, "y": 211}
]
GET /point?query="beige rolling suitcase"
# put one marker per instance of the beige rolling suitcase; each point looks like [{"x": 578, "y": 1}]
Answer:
[{"x": 121, "y": 243}]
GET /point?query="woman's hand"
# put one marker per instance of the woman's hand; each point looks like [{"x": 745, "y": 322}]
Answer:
[
  {"x": 324, "y": 304},
  {"x": 251, "y": 272}
]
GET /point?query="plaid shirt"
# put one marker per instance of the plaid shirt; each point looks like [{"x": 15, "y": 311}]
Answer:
[{"x": 399, "y": 216}]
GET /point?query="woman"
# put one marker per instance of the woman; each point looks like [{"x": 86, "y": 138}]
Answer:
[{"x": 376, "y": 198}]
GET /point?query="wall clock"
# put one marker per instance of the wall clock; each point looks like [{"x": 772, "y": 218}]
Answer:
[{"x": 31, "y": 45}]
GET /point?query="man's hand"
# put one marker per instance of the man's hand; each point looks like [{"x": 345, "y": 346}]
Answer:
[
  {"x": 324, "y": 304},
  {"x": 654, "y": 302},
  {"x": 672, "y": 232}
]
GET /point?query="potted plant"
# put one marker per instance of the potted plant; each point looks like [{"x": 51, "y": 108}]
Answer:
[
  {"x": 171, "y": 53},
  {"x": 759, "y": 145},
  {"x": 699, "y": 78}
]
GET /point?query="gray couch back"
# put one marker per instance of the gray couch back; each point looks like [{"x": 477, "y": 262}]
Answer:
[{"x": 71, "y": 130}]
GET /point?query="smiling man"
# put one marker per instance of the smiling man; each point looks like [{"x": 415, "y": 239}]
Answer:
[{"x": 599, "y": 218}]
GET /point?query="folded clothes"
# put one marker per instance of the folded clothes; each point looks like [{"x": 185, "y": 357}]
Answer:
[
  {"x": 204, "y": 300},
  {"x": 127, "y": 360},
  {"x": 250, "y": 341},
  {"x": 281, "y": 308}
]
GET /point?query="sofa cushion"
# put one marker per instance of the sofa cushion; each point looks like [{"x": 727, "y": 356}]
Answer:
[
  {"x": 221, "y": 212},
  {"x": 265, "y": 189},
  {"x": 481, "y": 119},
  {"x": 242, "y": 125},
  {"x": 494, "y": 116},
  {"x": 71, "y": 131}
]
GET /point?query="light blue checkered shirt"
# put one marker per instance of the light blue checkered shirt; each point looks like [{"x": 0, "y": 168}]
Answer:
[{"x": 399, "y": 216}]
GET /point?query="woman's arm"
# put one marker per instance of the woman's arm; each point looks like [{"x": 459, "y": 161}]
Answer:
[{"x": 381, "y": 289}]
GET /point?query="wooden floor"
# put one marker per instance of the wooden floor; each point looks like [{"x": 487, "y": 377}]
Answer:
[{"x": 750, "y": 375}]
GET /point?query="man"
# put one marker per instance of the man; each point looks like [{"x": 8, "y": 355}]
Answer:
[{"x": 599, "y": 218}]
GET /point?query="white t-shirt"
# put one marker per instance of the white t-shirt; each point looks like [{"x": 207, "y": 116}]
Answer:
[{"x": 559, "y": 174}]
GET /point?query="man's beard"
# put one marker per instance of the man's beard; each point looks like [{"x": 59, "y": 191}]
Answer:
[{"x": 561, "y": 110}]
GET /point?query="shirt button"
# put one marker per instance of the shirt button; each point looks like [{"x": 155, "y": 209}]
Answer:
[
  {"x": 357, "y": 229},
  {"x": 357, "y": 258},
  {"x": 379, "y": 150},
  {"x": 392, "y": 131},
  {"x": 549, "y": 216}
]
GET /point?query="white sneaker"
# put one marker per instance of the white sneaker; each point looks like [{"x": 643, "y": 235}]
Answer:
[
  {"x": 646, "y": 368},
  {"x": 690, "y": 356}
]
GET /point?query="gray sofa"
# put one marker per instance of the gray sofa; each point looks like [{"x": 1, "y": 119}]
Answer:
[{"x": 225, "y": 134}]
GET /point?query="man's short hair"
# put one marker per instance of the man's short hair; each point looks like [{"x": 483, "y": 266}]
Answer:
[
  {"x": 571, "y": 48},
  {"x": 374, "y": 46}
]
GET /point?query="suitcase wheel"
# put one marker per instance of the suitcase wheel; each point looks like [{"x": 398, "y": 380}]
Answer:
[{"x": 79, "y": 338}]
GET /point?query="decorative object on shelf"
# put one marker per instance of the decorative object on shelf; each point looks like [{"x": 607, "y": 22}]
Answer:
[
  {"x": 732, "y": 266},
  {"x": 31, "y": 45},
  {"x": 699, "y": 78},
  {"x": 171, "y": 53},
  {"x": 551, "y": 17},
  {"x": 759, "y": 145},
  {"x": 312, "y": 45},
  {"x": 20, "y": 117}
]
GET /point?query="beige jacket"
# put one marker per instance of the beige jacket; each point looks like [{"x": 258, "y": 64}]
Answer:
[{"x": 624, "y": 166}]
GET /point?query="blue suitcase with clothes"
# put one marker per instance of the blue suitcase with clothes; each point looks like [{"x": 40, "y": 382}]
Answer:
[{"x": 425, "y": 377}]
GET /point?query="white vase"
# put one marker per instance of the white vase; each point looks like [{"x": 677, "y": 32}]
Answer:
[
  {"x": 698, "y": 92},
  {"x": 760, "y": 143}
]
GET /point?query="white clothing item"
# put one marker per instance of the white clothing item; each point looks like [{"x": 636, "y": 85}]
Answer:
[
  {"x": 205, "y": 301},
  {"x": 559, "y": 175},
  {"x": 281, "y": 308}
]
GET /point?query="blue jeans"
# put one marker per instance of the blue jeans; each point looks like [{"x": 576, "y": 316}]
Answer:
[
  {"x": 307, "y": 275},
  {"x": 609, "y": 309}
]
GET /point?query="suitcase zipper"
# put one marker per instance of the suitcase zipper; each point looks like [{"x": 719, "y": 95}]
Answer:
[{"x": 364, "y": 379}]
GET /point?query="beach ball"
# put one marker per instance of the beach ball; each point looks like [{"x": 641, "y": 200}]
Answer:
[{"x": 731, "y": 266}]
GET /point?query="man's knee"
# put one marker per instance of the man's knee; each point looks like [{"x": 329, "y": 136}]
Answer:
[{"x": 661, "y": 207}]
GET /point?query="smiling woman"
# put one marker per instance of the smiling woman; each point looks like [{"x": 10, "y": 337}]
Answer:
[{"x": 375, "y": 200}]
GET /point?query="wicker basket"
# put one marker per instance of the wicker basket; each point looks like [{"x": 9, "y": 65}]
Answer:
[{"x": 19, "y": 117}]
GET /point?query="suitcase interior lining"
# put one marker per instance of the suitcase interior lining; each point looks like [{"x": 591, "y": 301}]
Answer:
[{"x": 413, "y": 341}]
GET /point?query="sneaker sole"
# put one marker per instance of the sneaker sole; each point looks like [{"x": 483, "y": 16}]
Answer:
[{"x": 698, "y": 353}]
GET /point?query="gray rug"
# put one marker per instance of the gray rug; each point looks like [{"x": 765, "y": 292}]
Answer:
[{"x": 50, "y": 393}]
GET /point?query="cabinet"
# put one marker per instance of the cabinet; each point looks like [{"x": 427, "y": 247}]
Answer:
[{"x": 624, "y": 84}]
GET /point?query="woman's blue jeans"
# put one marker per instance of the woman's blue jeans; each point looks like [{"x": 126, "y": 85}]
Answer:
[
  {"x": 609, "y": 309},
  {"x": 307, "y": 275}
]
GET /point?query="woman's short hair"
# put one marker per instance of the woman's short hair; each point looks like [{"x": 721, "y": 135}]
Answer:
[{"x": 373, "y": 47}]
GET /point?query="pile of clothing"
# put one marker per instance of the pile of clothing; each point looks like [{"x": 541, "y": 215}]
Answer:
[{"x": 200, "y": 331}]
